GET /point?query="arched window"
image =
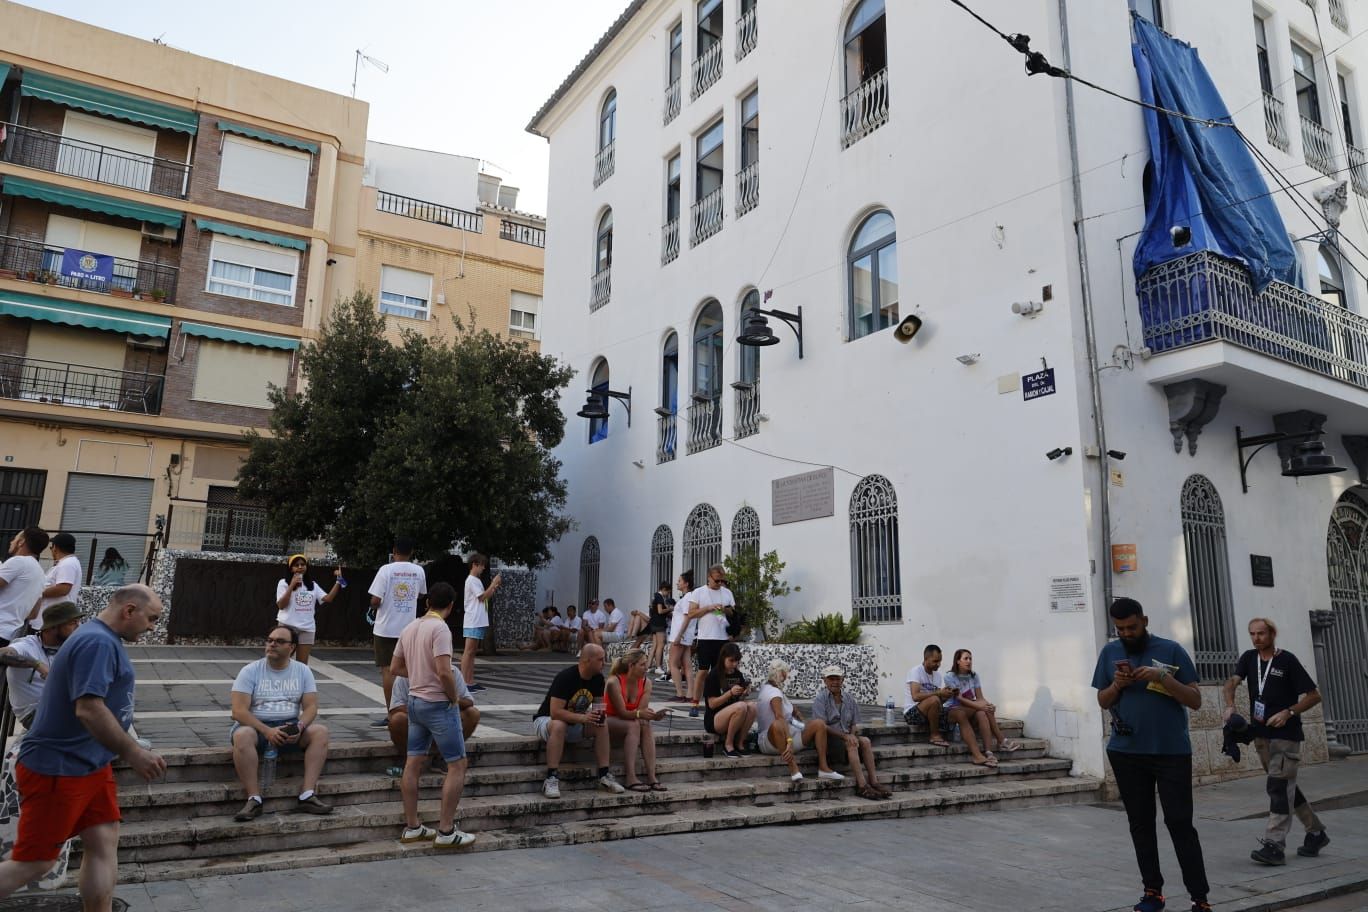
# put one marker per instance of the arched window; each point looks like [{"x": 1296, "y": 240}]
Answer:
[
  {"x": 873, "y": 275},
  {"x": 1208, "y": 576},
  {"x": 662, "y": 557},
  {"x": 667, "y": 413},
  {"x": 747, "y": 385},
  {"x": 603, "y": 243},
  {"x": 598, "y": 427},
  {"x": 608, "y": 120},
  {"x": 748, "y": 356},
  {"x": 589, "y": 572},
  {"x": 864, "y": 107},
  {"x": 705, "y": 414},
  {"x": 702, "y": 541},
  {"x": 875, "y": 578},
  {"x": 1331, "y": 276},
  {"x": 745, "y": 533}
]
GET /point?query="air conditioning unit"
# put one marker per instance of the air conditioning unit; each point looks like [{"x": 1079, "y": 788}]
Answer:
[
  {"x": 158, "y": 232},
  {"x": 145, "y": 344}
]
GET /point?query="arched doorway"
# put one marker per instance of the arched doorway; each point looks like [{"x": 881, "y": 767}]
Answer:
[{"x": 1343, "y": 682}]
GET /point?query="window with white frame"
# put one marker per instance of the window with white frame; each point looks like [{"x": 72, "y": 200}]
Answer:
[
  {"x": 264, "y": 171},
  {"x": 522, "y": 314},
  {"x": 258, "y": 272},
  {"x": 405, "y": 293}
]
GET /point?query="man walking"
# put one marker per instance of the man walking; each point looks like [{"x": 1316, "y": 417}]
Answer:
[
  {"x": 1280, "y": 691},
  {"x": 63, "y": 580},
  {"x": 476, "y": 620},
  {"x": 21, "y": 582},
  {"x": 66, "y": 782},
  {"x": 394, "y": 596},
  {"x": 36, "y": 652},
  {"x": 1148, "y": 684}
]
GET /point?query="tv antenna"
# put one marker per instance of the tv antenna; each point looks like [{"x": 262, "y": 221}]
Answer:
[{"x": 363, "y": 57}]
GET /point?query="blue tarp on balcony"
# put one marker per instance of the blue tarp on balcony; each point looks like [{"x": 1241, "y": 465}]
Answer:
[{"x": 1204, "y": 177}]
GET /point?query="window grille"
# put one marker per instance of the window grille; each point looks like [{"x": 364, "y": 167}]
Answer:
[
  {"x": 662, "y": 557},
  {"x": 1208, "y": 574},
  {"x": 875, "y": 577},
  {"x": 589, "y": 572},
  {"x": 745, "y": 533},
  {"x": 702, "y": 541}
]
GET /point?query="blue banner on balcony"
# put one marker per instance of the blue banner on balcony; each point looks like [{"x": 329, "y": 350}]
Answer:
[
  {"x": 1204, "y": 179},
  {"x": 90, "y": 267}
]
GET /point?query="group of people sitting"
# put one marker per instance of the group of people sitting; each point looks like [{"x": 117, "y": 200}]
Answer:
[
  {"x": 941, "y": 700},
  {"x": 600, "y": 625}
]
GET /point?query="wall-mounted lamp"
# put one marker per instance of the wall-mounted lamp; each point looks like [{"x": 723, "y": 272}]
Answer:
[
  {"x": 1058, "y": 452},
  {"x": 909, "y": 327},
  {"x": 596, "y": 405},
  {"x": 757, "y": 332},
  {"x": 968, "y": 359},
  {"x": 1309, "y": 458}
]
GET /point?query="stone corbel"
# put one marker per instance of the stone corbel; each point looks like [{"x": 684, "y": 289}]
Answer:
[
  {"x": 1357, "y": 448},
  {"x": 1192, "y": 405},
  {"x": 1301, "y": 421}
]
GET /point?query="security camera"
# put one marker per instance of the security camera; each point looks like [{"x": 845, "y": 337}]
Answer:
[
  {"x": 1116, "y": 454},
  {"x": 1181, "y": 235},
  {"x": 1057, "y": 452}
]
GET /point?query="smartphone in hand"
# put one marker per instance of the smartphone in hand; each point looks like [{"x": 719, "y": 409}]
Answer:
[{"x": 1123, "y": 666}]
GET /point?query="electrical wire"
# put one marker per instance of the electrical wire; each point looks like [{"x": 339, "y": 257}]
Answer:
[{"x": 1342, "y": 119}]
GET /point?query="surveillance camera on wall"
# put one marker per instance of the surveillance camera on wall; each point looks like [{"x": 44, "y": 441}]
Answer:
[
  {"x": 1181, "y": 235},
  {"x": 1027, "y": 308},
  {"x": 1057, "y": 452}
]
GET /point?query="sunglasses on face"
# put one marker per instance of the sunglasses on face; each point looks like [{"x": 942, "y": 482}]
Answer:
[{"x": 278, "y": 641}]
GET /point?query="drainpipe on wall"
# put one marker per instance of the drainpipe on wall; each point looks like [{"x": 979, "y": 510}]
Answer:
[{"x": 1089, "y": 331}]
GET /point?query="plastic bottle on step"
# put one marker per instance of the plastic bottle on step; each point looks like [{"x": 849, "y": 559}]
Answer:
[
  {"x": 268, "y": 765},
  {"x": 889, "y": 711}
]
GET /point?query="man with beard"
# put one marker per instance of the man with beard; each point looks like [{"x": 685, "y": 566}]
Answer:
[
  {"x": 32, "y": 656},
  {"x": 1148, "y": 684}
]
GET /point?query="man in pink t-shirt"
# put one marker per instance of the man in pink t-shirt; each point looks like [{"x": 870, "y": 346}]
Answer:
[{"x": 423, "y": 655}]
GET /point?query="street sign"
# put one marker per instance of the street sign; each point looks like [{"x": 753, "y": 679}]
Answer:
[{"x": 1040, "y": 383}]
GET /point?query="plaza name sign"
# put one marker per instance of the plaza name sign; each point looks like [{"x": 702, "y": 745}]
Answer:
[
  {"x": 811, "y": 495},
  {"x": 1040, "y": 383}
]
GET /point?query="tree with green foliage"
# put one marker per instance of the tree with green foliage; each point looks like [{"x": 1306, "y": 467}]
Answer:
[
  {"x": 445, "y": 441},
  {"x": 756, "y": 580}
]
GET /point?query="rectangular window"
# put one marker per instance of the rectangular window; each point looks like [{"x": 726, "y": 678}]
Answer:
[
  {"x": 405, "y": 293},
  {"x": 1346, "y": 110},
  {"x": 1261, "y": 48},
  {"x": 1149, "y": 9},
  {"x": 750, "y": 129},
  {"x": 676, "y": 52},
  {"x": 106, "y": 150},
  {"x": 234, "y": 374},
  {"x": 672, "y": 188},
  {"x": 264, "y": 171},
  {"x": 1304, "y": 74},
  {"x": 258, "y": 272},
  {"x": 709, "y": 25},
  {"x": 522, "y": 314},
  {"x": 708, "y": 171}
]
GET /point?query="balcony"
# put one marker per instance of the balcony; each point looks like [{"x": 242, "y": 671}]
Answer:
[
  {"x": 747, "y": 188},
  {"x": 864, "y": 110},
  {"x": 705, "y": 422},
  {"x": 707, "y": 217},
  {"x": 672, "y": 100},
  {"x": 600, "y": 288},
  {"x": 667, "y": 435},
  {"x": 34, "y": 261},
  {"x": 1318, "y": 147},
  {"x": 604, "y": 163},
  {"x": 1358, "y": 170},
  {"x": 522, "y": 234},
  {"x": 1338, "y": 16},
  {"x": 55, "y": 383},
  {"x": 746, "y": 34},
  {"x": 424, "y": 211},
  {"x": 1203, "y": 298},
  {"x": 669, "y": 241},
  {"x": 747, "y": 408},
  {"x": 707, "y": 69},
  {"x": 103, "y": 164},
  {"x": 1275, "y": 123}
]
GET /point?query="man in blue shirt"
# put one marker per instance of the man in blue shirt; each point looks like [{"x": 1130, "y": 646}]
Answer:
[
  {"x": 1149, "y": 684},
  {"x": 66, "y": 782}
]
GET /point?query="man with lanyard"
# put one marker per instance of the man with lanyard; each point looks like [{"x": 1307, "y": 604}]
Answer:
[
  {"x": 33, "y": 657},
  {"x": 1280, "y": 691}
]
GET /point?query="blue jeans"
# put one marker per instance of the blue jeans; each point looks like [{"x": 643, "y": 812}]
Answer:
[{"x": 438, "y": 721}]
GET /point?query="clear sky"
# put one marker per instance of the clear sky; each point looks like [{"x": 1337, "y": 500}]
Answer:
[{"x": 465, "y": 76}]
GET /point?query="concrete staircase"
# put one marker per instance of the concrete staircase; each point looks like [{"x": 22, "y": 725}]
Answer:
[{"x": 182, "y": 827}]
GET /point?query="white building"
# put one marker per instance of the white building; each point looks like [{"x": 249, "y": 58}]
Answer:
[{"x": 910, "y": 167}]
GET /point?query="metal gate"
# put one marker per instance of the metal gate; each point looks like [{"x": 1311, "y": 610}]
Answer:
[
  {"x": 21, "y": 500},
  {"x": 1344, "y": 671}
]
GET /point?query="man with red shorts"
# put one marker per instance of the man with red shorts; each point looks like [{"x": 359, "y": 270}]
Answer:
[{"x": 64, "y": 773}]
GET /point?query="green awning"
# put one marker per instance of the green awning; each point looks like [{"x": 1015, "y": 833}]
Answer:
[
  {"x": 288, "y": 142},
  {"x": 93, "y": 202},
  {"x": 241, "y": 336},
  {"x": 4, "y": 72},
  {"x": 108, "y": 102},
  {"x": 92, "y": 316},
  {"x": 251, "y": 234}
]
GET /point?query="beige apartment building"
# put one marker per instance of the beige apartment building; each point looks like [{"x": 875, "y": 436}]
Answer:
[{"x": 172, "y": 228}]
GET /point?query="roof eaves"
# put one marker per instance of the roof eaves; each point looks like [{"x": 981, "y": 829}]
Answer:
[{"x": 613, "y": 31}]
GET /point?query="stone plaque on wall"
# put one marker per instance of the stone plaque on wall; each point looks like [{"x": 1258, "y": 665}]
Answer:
[{"x": 811, "y": 495}]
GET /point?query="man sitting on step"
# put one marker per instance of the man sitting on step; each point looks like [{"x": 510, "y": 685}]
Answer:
[
  {"x": 32, "y": 655},
  {"x": 399, "y": 722},
  {"x": 841, "y": 715},
  {"x": 572, "y": 711},
  {"x": 275, "y": 703}
]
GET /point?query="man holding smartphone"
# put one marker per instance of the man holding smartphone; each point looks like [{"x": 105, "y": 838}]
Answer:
[{"x": 1149, "y": 684}]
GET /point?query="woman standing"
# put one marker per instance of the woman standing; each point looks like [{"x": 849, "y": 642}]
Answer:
[
  {"x": 682, "y": 632},
  {"x": 969, "y": 706},
  {"x": 727, "y": 713},
  {"x": 627, "y": 703},
  {"x": 298, "y": 598},
  {"x": 113, "y": 569}
]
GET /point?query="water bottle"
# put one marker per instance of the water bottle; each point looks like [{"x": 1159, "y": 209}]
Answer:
[
  {"x": 268, "y": 765},
  {"x": 889, "y": 711}
]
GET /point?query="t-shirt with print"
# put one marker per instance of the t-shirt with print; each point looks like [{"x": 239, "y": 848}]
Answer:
[
  {"x": 66, "y": 570},
  {"x": 300, "y": 612},
  {"x": 91, "y": 663},
  {"x": 968, "y": 684},
  {"x": 398, "y": 586},
  {"x": 578, "y": 693},
  {"x": 1285, "y": 680},
  {"x": 1158, "y": 722},
  {"x": 26, "y": 684},
  {"x": 929, "y": 680},
  {"x": 399, "y": 695},
  {"x": 614, "y": 621},
  {"x": 422, "y": 645},
  {"x": 718, "y": 682},
  {"x": 23, "y": 577},
  {"x": 713, "y": 625},
  {"x": 764, "y": 708},
  {"x": 275, "y": 695},
  {"x": 476, "y": 612}
]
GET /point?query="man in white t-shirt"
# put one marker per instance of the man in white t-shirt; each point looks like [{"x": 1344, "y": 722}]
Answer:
[
  {"x": 21, "y": 582},
  {"x": 394, "y": 596},
  {"x": 35, "y": 652},
  {"x": 573, "y": 625},
  {"x": 476, "y": 619},
  {"x": 593, "y": 622},
  {"x": 927, "y": 695},
  {"x": 712, "y": 604},
  {"x": 63, "y": 580},
  {"x": 614, "y": 627}
]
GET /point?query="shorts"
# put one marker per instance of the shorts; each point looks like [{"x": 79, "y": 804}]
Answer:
[
  {"x": 473, "y": 633},
  {"x": 689, "y": 632},
  {"x": 573, "y": 733},
  {"x": 52, "y": 809},
  {"x": 384, "y": 650},
  {"x": 706, "y": 652},
  {"x": 795, "y": 732},
  {"x": 305, "y": 637},
  {"x": 659, "y": 623},
  {"x": 261, "y": 739},
  {"x": 611, "y": 636},
  {"x": 913, "y": 716},
  {"x": 432, "y": 721}
]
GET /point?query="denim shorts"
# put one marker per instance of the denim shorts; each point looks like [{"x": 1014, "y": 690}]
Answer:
[
  {"x": 435, "y": 721},
  {"x": 473, "y": 633},
  {"x": 261, "y": 739}
]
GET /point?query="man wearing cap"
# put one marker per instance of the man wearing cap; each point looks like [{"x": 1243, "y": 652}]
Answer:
[
  {"x": 63, "y": 582},
  {"x": 33, "y": 654},
  {"x": 842, "y": 719}
]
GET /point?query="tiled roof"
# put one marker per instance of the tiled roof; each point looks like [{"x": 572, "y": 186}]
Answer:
[{"x": 613, "y": 31}]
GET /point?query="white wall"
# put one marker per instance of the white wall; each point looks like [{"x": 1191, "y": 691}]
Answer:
[{"x": 434, "y": 177}]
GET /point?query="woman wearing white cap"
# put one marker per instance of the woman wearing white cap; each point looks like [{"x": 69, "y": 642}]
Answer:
[{"x": 782, "y": 729}]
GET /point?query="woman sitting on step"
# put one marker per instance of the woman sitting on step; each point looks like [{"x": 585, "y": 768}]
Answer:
[
  {"x": 969, "y": 707},
  {"x": 782, "y": 729},
  {"x": 727, "y": 712},
  {"x": 627, "y": 699}
]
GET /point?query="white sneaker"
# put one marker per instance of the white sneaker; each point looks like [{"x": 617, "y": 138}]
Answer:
[
  {"x": 453, "y": 840},
  {"x": 551, "y": 787},
  {"x": 419, "y": 833},
  {"x": 797, "y": 777},
  {"x": 829, "y": 774},
  {"x": 609, "y": 784}
]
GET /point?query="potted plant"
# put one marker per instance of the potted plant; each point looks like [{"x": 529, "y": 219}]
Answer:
[
  {"x": 8, "y": 274},
  {"x": 44, "y": 277},
  {"x": 119, "y": 291},
  {"x": 755, "y": 581},
  {"x": 137, "y": 293},
  {"x": 31, "y": 275},
  {"x": 833, "y": 629},
  {"x": 159, "y": 295}
]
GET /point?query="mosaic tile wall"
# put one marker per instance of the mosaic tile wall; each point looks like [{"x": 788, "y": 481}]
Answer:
[{"x": 806, "y": 662}]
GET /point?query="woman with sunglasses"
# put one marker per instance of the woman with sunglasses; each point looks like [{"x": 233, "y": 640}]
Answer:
[{"x": 297, "y": 602}]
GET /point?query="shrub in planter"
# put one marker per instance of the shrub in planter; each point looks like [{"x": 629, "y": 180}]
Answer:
[
  {"x": 825, "y": 628},
  {"x": 755, "y": 581}
]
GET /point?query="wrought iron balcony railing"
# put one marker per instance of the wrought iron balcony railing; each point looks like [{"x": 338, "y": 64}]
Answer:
[
  {"x": 746, "y": 33},
  {"x": 707, "y": 69},
  {"x": 1318, "y": 146},
  {"x": 1358, "y": 170},
  {"x": 707, "y": 217},
  {"x": 424, "y": 211},
  {"x": 672, "y": 100},
  {"x": 705, "y": 423},
  {"x": 1338, "y": 15},
  {"x": 604, "y": 163},
  {"x": 747, "y": 188},
  {"x": 58, "y": 154},
  {"x": 35, "y": 261},
  {"x": 55, "y": 383},
  {"x": 667, "y": 435},
  {"x": 747, "y": 408},
  {"x": 600, "y": 288},
  {"x": 1275, "y": 122},
  {"x": 522, "y": 234},
  {"x": 865, "y": 110},
  {"x": 669, "y": 241},
  {"x": 1203, "y": 298}
]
